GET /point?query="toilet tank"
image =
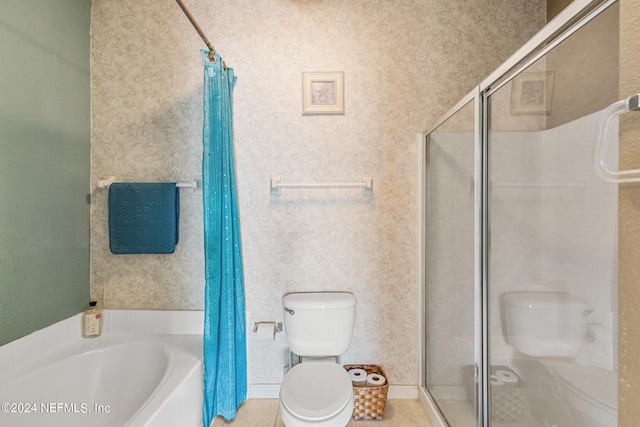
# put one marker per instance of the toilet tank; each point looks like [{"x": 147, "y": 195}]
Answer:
[
  {"x": 319, "y": 324},
  {"x": 545, "y": 324}
]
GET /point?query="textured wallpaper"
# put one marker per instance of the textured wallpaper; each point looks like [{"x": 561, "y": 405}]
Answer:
[{"x": 405, "y": 63}]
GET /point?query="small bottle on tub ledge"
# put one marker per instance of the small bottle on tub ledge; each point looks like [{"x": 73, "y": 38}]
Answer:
[{"x": 92, "y": 321}]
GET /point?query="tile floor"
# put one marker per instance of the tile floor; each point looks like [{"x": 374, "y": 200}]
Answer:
[{"x": 264, "y": 413}]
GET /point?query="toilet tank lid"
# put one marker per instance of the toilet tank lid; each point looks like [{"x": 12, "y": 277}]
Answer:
[
  {"x": 318, "y": 300},
  {"x": 548, "y": 300}
]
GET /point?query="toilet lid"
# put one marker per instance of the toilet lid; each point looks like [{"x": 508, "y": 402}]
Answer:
[{"x": 316, "y": 390}]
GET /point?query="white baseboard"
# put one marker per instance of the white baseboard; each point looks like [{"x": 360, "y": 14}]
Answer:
[
  {"x": 402, "y": 392},
  {"x": 263, "y": 391},
  {"x": 272, "y": 391},
  {"x": 430, "y": 407}
]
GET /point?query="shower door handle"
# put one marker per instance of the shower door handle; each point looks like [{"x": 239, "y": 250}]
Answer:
[{"x": 602, "y": 139}]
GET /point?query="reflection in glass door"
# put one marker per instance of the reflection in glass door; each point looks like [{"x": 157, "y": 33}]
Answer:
[
  {"x": 552, "y": 239},
  {"x": 521, "y": 262}
]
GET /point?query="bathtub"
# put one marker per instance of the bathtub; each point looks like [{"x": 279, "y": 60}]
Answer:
[{"x": 116, "y": 380}]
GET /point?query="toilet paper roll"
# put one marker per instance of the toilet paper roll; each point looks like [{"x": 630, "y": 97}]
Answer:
[
  {"x": 358, "y": 377},
  {"x": 375, "y": 380},
  {"x": 266, "y": 331},
  {"x": 494, "y": 380},
  {"x": 506, "y": 376}
]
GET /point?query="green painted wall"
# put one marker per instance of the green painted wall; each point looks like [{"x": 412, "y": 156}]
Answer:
[{"x": 44, "y": 163}]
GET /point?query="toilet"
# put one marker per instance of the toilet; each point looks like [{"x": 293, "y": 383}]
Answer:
[
  {"x": 317, "y": 392},
  {"x": 550, "y": 329},
  {"x": 545, "y": 324}
]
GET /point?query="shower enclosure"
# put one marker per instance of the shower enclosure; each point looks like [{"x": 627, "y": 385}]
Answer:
[{"x": 513, "y": 206}]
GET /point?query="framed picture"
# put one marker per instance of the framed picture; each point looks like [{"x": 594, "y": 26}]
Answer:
[
  {"x": 323, "y": 93},
  {"x": 532, "y": 93}
]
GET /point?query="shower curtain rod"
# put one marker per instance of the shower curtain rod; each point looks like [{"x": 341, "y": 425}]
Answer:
[{"x": 204, "y": 38}]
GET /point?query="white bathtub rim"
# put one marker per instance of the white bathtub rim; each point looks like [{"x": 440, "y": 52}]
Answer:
[
  {"x": 155, "y": 415},
  {"x": 169, "y": 387},
  {"x": 184, "y": 368},
  {"x": 30, "y": 349},
  {"x": 79, "y": 347}
]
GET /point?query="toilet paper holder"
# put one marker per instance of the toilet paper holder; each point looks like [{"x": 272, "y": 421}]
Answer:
[{"x": 277, "y": 326}]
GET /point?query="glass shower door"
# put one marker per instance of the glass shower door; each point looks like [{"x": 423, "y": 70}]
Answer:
[
  {"x": 552, "y": 239},
  {"x": 450, "y": 267}
]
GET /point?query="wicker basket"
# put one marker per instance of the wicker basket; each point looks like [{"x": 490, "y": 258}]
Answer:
[
  {"x": 369, "y": 402},
  {"x": 508, "y": 401}
]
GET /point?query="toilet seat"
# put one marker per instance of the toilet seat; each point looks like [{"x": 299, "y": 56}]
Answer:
[
  {"x": 314, "y": 391},
  {"x": 594, "y": 384},
  {"x": 592, "y": 391}
]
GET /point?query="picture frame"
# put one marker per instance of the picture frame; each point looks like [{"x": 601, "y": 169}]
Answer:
[
  {"x": 322, "y": 92},
  {"x": 532, "y": 93}
]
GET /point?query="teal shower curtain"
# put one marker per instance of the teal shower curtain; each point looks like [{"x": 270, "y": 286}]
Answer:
[{"x": 225, "y": 360}]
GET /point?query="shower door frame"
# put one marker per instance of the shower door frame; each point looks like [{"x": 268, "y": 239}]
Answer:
[
  {"x": 575, "y": 16},
  {"x": 475, "y": 97}
]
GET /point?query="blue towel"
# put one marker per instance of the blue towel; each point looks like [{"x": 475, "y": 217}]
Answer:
[{"x": 143, "y": 218}]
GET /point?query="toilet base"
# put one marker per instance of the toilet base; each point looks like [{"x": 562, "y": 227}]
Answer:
[{"x": 341, "y": 419}]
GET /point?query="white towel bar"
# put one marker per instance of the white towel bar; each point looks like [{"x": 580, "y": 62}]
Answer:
[
  {"x": 540, "y": 185},
  {"x": 366, "y": 185},
  {"x": 106, "y": 181}
]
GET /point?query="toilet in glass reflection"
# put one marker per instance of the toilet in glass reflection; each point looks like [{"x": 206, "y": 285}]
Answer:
[
  {"x": 317, "y": 392},
  {"x": 550, "y": 330}
]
